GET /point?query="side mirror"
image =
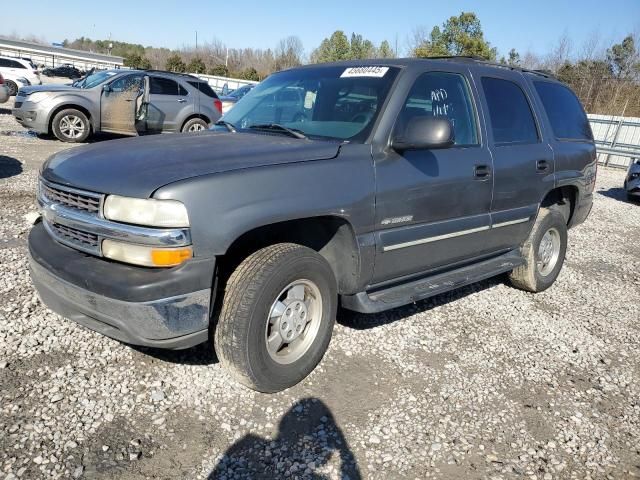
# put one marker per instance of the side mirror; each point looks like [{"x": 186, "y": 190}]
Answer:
[
  {"x": 424, "y": 133},
  {"x": 107, "y": 88}
]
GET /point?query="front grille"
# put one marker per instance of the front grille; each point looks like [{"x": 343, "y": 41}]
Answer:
[
  {"x": 86, "y": 202},
  {"x": 17, "y": 105},
  {"x": 76, "y": 237}
]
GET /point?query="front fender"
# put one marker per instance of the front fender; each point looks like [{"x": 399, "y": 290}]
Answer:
[{"x": 71, "y": 100}]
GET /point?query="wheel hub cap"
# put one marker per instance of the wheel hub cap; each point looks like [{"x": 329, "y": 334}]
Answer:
[
  {"x": 548, "y": 251},
  {"x": 294, "y": 320},
  {"x": 71, "y": 126}
]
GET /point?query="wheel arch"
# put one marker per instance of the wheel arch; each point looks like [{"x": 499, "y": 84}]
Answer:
[
  {"x": 564, "y": 199},
  {"x": 64, "y": 106},
  {"x": 333, "y": 237},
  {"x": 192, "y": 116}
]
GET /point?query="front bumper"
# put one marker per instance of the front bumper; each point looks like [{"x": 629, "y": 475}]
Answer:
[
  {"x": 163, "y": 308},
  {"x": 31, "y": 115}
]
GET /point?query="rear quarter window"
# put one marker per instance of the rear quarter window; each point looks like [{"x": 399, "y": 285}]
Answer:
[
  {"x": 204, "y": 88},
  {"x": 565, "y": 113}
]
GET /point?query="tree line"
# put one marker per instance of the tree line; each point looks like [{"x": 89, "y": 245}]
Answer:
[{"x": 605, "y": 77}]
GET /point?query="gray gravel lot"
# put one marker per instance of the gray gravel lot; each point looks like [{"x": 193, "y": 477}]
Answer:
[{"x": 483, "y": 382}]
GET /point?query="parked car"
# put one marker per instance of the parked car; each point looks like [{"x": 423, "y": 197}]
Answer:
[
  {"x": 65, "y": 71},
  {"x": 17, "y": 68},
  {"x": 230, "y": 99},
  {"x": 14, "y": 83},
  {"x": 4, "y": 91},
  {"x": 632, "y": 180},
  {"x": 129, "y": 102},
  {"x": 395, "y": 180}
]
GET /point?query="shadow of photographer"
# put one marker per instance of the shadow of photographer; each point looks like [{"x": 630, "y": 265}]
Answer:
[{"x": 309, "y": 444}]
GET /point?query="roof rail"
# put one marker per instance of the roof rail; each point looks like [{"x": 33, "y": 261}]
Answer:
[
  {"x": 151, "y": 70},
  {"x": 476, "y": 59}
]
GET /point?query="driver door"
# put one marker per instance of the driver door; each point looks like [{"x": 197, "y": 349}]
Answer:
[{"x": 122, "y": 103}]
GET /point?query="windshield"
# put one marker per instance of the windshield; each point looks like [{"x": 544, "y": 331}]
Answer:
[
  {"x": 240, "y": 92},
  {"x": 323, "y": 102},
  {"x": 94, "y": 79}
]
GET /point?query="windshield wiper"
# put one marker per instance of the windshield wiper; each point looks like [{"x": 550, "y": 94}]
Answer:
[
  {"x": 280, "y": 128},
  {"x": 230, "y": 126}
]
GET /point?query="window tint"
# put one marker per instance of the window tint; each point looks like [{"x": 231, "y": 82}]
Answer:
[
  {"x": 127, "y": 83},
  {"x": 509, "y": 111},
  {"x": 163, "y": 86},
  {"x": 4, "y": 62},
  {"x": 438, "y": 94},
  {"x": 565, "y": 113},
  {"x": 204, "y": 88},
  {"x": 182, "y": 91}
]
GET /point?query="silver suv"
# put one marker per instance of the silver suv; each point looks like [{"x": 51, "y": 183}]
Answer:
[{"x": 129, "y": 102}]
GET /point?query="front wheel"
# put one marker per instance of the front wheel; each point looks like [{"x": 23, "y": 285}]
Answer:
[
  {"x": 277, "y": 317},
  {"x": 543, "y": 251},
  {"x": 71, "y": 125},
  {"x": 12, "y": 87}
]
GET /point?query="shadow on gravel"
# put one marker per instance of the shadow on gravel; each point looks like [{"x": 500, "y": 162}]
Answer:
[
  {"x": 202, "y": 354},
  {"x": 9, "y": 167},
  {"x": 619, "y": 194},
  {"x": 307, "y": 435},
  {"x": 5, "y": 111},
  {"x": 362, "y": 321}
]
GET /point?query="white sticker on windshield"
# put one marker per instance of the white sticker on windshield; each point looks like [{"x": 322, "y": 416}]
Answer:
[{"x": 377, "y": 72}]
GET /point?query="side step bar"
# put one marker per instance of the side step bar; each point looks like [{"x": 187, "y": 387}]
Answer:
[{"x": 415, "y": 290}]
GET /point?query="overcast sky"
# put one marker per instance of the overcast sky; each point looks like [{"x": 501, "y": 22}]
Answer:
[{"x": 260, "y": 24}]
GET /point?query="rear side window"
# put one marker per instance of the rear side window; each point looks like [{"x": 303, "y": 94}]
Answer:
[
  {"x": 565, "y": 113},
  {"x": 163, "y": 86},
  {"x": 204, "y": 88},
  {"x": 510, "y": 113}
]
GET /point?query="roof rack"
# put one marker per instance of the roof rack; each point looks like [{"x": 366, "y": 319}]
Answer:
[
  {"x": 476, "y": 59},
  {"x": 151, "y": 70}
]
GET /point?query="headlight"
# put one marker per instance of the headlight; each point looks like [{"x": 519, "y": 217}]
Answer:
[
  {"x": 150, "y": 212},
  {"x": 37, "y": 96},
  {"x": 144, "y": 255}
]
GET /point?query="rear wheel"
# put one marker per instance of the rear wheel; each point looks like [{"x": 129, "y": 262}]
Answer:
[
  {"x": 544, "y": 253},
  {"x": 12, "y": 87},
  {"x": 71, "y": 125},
  {"x": 195, "y": 125},
  {"x": 277, "y": 317}
]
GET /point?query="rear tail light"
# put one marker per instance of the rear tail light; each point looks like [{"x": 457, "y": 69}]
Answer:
[
  {"x": 217, "y": 103},
  {"x": 1, "y": 80}
]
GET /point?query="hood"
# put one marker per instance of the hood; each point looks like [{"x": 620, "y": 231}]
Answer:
[
  {"x": 136, "y": 167},
  {"x": 49, "y": 88}
]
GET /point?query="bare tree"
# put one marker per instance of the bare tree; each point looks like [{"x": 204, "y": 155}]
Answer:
[{"x": 289, "y": 53}]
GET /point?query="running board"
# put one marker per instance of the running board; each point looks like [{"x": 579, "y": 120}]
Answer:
[{"x": 416, "y": 290}]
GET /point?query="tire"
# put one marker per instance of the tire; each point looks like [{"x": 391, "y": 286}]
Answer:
[
  {"x": 71, "y": 125},
  {"x": 251, "y": 313},
  {"x": 194, "y": 125},
  {"x": 537, "y": 275},
  {"x": 12, "y": 87}
]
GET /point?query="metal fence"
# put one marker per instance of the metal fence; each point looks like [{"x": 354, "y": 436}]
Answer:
[{"x": 617, "y": 139}]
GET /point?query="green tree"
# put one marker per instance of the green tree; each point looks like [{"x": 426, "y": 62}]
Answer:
[
  {"x": 250, "y": 74},
  {"x": 219, "y": 70},
  {"x": 360, "y": 48},
  {"x": 332, "y": 49},
  {"x": 175, "y": 64},
  {"x": 624, "y": 58},
  {"x": 513, "y": 59},
  {"x": 135, "y": 60},
  {"x": 461, "y": 35},
  {"x": 385, "y": 50},
  {"x": 196, "y": 65}
]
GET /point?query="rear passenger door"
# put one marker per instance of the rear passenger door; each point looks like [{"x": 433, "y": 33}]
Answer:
[
  {"x": 523, "y": 161},
  {"x": 169, "y": 104}
]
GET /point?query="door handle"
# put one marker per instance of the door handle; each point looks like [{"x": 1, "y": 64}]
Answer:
[
  {"x": 542, "y": 166},
  {"x": 482, "y": 172},
  {"x": 181, "y": 100}
]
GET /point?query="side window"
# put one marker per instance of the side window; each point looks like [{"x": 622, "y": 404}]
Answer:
[
  {"x": 440, "y": 94},
  {"x": 163, "y": 86},
  {"x": 15, "y": 64},
  {"x": 182, "y": 91},
  {"x": 4, "y": 62},
  {"x": 127, "y": 83},
  {"x": 565, "y": 113},
  {"x": 510, "y": 113}
]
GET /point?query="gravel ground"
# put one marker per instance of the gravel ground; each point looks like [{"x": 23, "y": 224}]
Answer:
[{"x": 483, "y": 382}]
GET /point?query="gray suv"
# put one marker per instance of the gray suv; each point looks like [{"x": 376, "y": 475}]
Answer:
[
  {"x": 130, "y": 102},
  {"x": 374, "y": 184}
]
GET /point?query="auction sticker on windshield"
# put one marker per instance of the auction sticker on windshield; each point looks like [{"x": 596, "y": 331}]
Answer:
[{"x": 377, "y": 72}]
